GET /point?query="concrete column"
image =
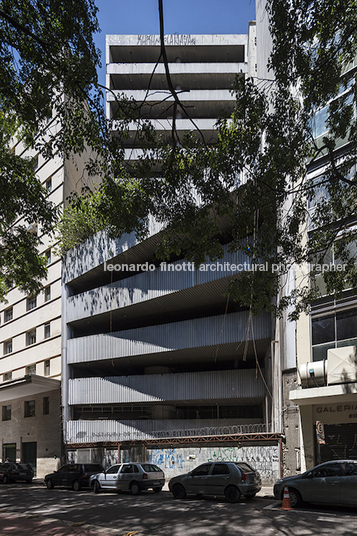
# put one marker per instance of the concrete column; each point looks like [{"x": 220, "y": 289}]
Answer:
[{"x": 64, "y": 366}]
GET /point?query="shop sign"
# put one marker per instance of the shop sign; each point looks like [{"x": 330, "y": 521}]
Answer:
[{"x": 337, "y": 411}]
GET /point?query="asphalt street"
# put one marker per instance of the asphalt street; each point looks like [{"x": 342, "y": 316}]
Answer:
[{"x": 34, "y": 510}]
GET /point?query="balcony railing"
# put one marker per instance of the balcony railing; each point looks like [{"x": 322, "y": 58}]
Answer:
[
  {"x": 186, "y": 335},
  {"x": 93, "y": 431},
  {"x": 205, "y": 385}
]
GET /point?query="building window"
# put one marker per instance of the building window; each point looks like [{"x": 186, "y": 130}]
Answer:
[
  {"x": 46, "y": 405},
  {"x": 48, "y": 256},
  {"x": 7, "y": 376},
  {"x": 48, "y": 185},
  {"x": 31, "y": 302},
  {"x": 6, "y": 413},
  {"x": 8, "y": 314},
  {"x": 31, "y": 369},
  {"x": 47, "y": 367},
  {"x": 8, "y": 346},
  {"x": 47, "y": 292},
  {"x": 47, "y": 331},
  {"x": 29, "y": 408},
  {"x": 333, "y": 331},
  {"x": 31, "y": 337}
]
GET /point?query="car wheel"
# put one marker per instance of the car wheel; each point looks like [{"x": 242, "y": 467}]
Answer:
[
  {"x": 49, "y": 484},
  {"x": 250, "y": 495},
  {"x": 158, "y": 489},
  {"x": 295, "y": 498},
  {"x": 76, "y": 485},
  {"x": 232, "y": 494},
  {"x": 135, "y": 488},
  {"x": 29, "y": 481},
  {"x": 96, "y": 486},
  {"x": 179, "y": 491},
  {"x": 6, "y": 479}
]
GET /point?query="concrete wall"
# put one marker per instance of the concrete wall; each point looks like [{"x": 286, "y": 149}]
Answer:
[
  {"x": 177, "y": 460},
  {"x": 174, "y": 461},
  {"x": 264, "y": 42},
  {"x": 291, "y": 447}
]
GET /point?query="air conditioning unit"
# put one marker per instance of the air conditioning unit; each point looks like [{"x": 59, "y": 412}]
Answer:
[
  {"x": 342, "y": 365},
  {"x": 314, "y": 374}
]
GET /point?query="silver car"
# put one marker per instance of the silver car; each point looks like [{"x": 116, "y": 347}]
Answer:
[
  {"x": 133, "y": 477},
  {"x": 333, "y": 482},
  {"x": 231, "y": 479}
]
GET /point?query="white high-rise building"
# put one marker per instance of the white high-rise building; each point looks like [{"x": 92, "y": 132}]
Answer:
[{"x": 202, "y": 68}]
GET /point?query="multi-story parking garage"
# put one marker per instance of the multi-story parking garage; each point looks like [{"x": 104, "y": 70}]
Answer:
[{"x": 157, "y": 361}]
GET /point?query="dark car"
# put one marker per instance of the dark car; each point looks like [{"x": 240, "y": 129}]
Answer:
[
  {"x": 73, "y": 475},
  {"x": 231, "y": 479},
  {"x": 333, "y": 482},
  {"x": 14, "y": 472}
]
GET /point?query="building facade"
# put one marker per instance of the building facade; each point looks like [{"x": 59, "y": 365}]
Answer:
[
  {"x": 326, "y": 394},
  {"x": 30, "y": 336},
  {"x": 157, "y": 363}
]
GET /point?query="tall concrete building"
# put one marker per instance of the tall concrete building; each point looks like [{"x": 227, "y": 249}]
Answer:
[
  {"x": 283, "y": 349},
  {"x": 30, "y": 336},
  {"x": 157, "y": 363},
  {"x": 202, "y": 70}
]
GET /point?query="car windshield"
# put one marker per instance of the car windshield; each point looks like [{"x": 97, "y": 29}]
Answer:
[
  {"x": 63, "y": 468},
  {"x": 24, "y": 466},
  {"x": 201, "y": 470},
  {"x": 93, "y": 468}
]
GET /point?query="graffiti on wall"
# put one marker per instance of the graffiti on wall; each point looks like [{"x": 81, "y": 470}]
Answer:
[
  {"x": 175, "y": 461},
  {"x": 166, "y": 458},
  {"x": 174, "y": 39},
  {"x": 264, "y": 459},
  {"x": 227, "y": 454}
]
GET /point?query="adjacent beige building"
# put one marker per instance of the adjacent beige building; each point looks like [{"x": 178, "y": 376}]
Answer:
[{"x": 30, "y": 338}]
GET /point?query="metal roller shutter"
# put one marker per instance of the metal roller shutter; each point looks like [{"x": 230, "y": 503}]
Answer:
[{"x": 341, "y": 443}]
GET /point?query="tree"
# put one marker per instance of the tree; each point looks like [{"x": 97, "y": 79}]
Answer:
[
  {"x": 269, "y": 143},
  {"x": 80, "y": 220},
  {"x": 47, "y": 68}
]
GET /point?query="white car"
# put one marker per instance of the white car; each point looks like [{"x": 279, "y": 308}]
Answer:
[{"x": 133, "y": 477}]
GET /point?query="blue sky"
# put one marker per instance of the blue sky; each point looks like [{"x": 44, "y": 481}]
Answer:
[{"x": 180, "y": 16}]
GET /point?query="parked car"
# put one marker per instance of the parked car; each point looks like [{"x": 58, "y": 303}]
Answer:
[
  {"x": 133, "y": 477},
  {"x": 73, "y": 475},
  {"x": 14, "y": 472},
  {"x": 231, "y": 479},
  {"x": 333, "y": 482}
]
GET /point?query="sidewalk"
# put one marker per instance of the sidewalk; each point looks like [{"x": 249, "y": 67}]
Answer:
[{"x": 267, "y": 492}]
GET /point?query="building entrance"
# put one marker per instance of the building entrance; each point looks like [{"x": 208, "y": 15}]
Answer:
[
  {"x": 341, "y": 443},
  {"x": 9, "y": 452},
  {"x": 29, "y": 454}
]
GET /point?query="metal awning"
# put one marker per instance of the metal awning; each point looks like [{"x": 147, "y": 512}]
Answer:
[
  {"x": 324, "y": 395},
  {"x": 28, "y": 385}
]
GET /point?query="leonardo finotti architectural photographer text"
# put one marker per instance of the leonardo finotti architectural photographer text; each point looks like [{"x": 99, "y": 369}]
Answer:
[{"x": 217, "y": 267}]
